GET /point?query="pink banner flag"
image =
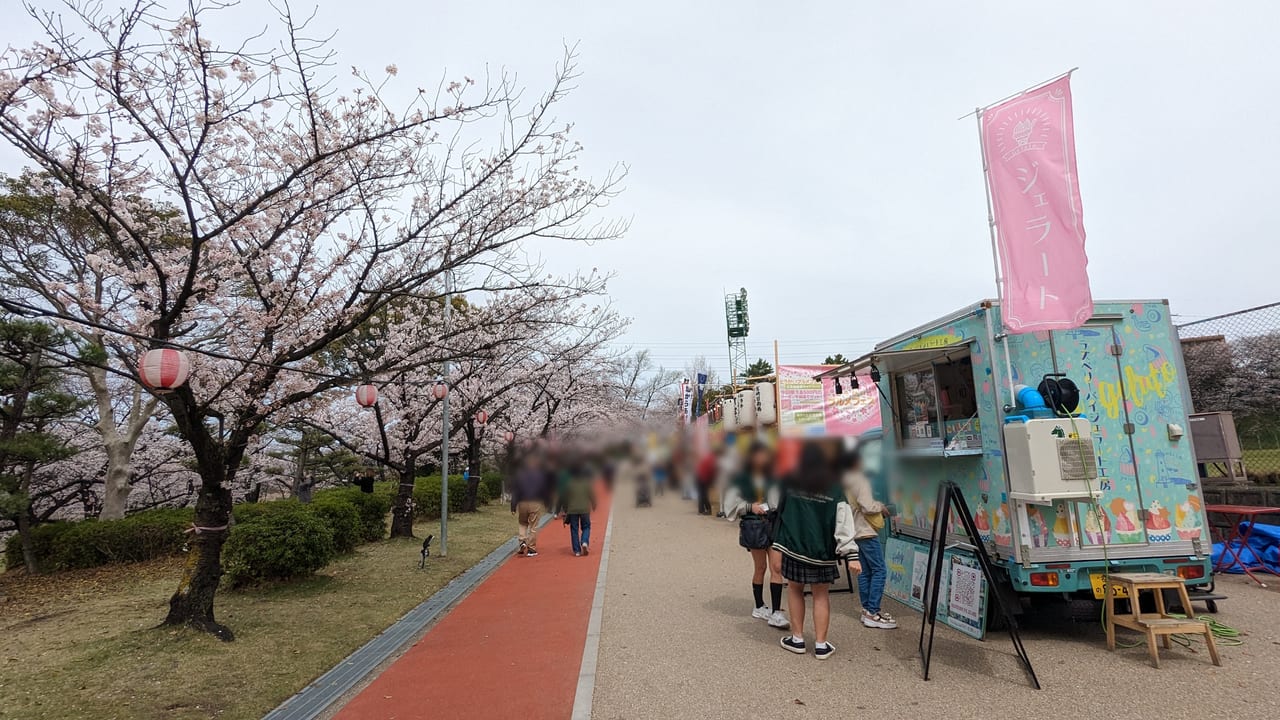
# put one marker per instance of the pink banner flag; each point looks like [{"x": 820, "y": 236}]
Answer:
[
  {"x": 813, "y": 408},
  {"x": 1029, "y": 145}
]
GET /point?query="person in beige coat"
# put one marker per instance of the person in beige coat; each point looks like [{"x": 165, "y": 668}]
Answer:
[{"x": 868, "y": 518}]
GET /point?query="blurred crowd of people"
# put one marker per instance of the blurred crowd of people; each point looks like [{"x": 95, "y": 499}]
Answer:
[{"x": 802, "y": 509}]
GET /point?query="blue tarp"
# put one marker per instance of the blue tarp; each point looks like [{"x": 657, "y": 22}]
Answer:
[{"x": 1264, "y": 543}]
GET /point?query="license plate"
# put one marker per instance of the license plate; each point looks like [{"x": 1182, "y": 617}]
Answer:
[{"x": 1099, "y": 583}]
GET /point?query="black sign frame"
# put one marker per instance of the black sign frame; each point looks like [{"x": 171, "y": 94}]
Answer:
[{"x": 949, "y": 496}]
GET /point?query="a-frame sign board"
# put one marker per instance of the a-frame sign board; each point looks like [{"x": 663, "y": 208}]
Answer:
[{"x": 950, "y": 497}]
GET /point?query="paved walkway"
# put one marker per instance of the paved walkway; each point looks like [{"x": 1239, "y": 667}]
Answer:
[
  {"x": 678, "y": 641},
  {"x": 510, "y": 649}
]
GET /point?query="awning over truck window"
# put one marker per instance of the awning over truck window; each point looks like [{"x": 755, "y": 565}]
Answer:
[{"x": 896, "y": 360}]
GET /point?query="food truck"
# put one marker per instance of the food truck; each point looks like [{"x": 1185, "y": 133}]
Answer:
[{"x": 1058, "y": 494}]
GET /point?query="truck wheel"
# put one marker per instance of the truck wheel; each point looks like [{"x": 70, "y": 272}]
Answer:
[
  {"x": 1084, "y": 610},
  {"x": 1212, "y": 605}
]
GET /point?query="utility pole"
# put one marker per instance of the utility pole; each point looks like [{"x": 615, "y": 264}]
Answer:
[{"x": 444, "y": 445}]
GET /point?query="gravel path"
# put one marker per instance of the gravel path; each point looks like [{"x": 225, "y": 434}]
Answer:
[{"x": 678, "y": 642}]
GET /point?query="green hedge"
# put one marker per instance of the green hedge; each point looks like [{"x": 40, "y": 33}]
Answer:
[
  {"x": 346, "y": 515},
  {"x": 372, "y": 508},
  {"x": 286, "y": 540},
  {"x": 426, "y": 494},
  {"x": 343, "y": 518},
  {"x": 91, "y": 543},
  {"x": 492, "y": 482},
  {"x": 350, "y": 516}
]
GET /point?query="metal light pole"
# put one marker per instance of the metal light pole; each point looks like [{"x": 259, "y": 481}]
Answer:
[{"x": 444, "y": 445}]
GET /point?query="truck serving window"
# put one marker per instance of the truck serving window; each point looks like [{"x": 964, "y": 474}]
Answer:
[
  {"x": 937, "y": 406},
  {"x": 959, "y": 404},
  {"x": 918, "y": 409}
]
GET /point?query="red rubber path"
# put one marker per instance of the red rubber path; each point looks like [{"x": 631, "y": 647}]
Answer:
[{"x": 510, "y": 649}]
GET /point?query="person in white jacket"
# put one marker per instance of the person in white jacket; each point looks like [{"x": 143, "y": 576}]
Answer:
[{"x": 752, "y": 500}]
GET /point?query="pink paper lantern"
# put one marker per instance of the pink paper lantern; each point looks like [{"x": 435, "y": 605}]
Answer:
[
  {"x": 440, "y": 390},
  {"x": 163, "y": 370},
  {"x": 367, "y": 396},
  {"x": 509, "y": 436},
  {"x": 482, "y": 417}
]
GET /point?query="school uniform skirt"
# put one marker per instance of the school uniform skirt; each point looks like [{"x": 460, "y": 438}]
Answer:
[{"x": 799, "y": 571}]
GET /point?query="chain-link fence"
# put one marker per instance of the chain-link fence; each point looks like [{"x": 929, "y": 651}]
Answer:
[{"x": 1233, "y": 365}]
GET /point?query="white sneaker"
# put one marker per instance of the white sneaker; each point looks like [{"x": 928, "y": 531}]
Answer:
[
  {"x": 762, "y": 613},
  {"x": 779, "y": 620},
  {"x": 882, "y": 620}
]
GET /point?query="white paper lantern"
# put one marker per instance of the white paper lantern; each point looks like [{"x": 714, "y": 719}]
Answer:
[
  {"x": 729, "y": 408},
  {"x": 746, "y": 408},
  {"x": 164, "y": 369},
  {"x": 367, "y": 396},
  {"x": 766, "y": 404}
]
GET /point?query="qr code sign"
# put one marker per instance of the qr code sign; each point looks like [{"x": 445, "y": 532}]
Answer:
[{"x": 965, "y": 596}]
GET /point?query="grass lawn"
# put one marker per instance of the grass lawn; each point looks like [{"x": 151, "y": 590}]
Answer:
[{"x": 83, "y": 644}]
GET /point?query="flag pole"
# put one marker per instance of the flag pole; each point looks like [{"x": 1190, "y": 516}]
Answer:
[
  {"x": 777, "y": 389},
  {"x": 1037, "y": 86},
  {"x": 995, "y": 253}
]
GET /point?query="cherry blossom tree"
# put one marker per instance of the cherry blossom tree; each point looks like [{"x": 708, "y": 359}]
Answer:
[
  {"x": 47, "y": 253},
  {"x": 499, "y": 350},
  {"x": 303, "y": 211}
]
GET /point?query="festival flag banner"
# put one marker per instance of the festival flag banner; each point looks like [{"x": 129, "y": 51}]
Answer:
[
  {"x": 812, "y": 408},
  {"x": 1029, "y": 146},
  {"x": 698, "y": 408}
]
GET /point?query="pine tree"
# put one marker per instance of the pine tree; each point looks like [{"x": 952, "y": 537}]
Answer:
[
  {"x": 33, "y": 402},
  {"x": 758, "y": 369}
]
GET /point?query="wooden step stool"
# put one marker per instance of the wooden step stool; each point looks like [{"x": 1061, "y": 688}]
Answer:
[{"x": 1153, "y": 624}]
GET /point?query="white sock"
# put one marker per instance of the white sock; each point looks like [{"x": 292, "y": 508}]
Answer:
[
  {"x": 823, "y": 645},
  {"x": 798, "y": 639}
]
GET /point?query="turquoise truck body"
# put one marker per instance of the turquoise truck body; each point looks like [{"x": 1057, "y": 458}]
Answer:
[{"x": 1134, "y": 400}]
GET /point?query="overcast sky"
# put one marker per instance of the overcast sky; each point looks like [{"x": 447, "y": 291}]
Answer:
[{"x": 813, "y": 154}]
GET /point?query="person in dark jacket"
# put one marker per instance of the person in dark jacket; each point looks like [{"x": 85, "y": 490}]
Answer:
[
  {"x": 577, "y": 500},
  {"x": 530, "y": 496},
  {"x": 815, "y": 533}
]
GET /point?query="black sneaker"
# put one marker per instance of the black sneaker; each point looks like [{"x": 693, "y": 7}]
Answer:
[
  {"x": 789, "y": 643},
  {"x": 531, "y": 553},
  {"x": 822, "y": 652}
]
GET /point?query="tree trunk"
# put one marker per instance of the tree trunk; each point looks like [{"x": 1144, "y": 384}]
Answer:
[
  {"x": 115, "y": 485},
  {"x": 402, "y": 508},
  {"x": 24, "y": 535},
  {"x": 118, "y": 441},
  {"x": 217, "y": 460},
  {"x": 299, "y": 488},
  {"x": 470, "y": 503},
  {"x": 192, "y": 604}
]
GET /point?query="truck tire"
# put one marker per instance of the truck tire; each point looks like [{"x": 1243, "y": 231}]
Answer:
[{"x": 1083, "y": 610}]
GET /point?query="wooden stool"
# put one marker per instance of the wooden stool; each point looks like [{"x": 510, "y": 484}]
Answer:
[{"x": 1159, "y": 623}]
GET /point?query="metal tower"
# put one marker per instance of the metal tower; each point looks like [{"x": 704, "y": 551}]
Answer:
[{"x": 737, "y": 323}]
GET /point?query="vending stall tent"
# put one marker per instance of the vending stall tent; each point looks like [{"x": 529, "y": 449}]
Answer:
[{"x": 1058, "y": 497}]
